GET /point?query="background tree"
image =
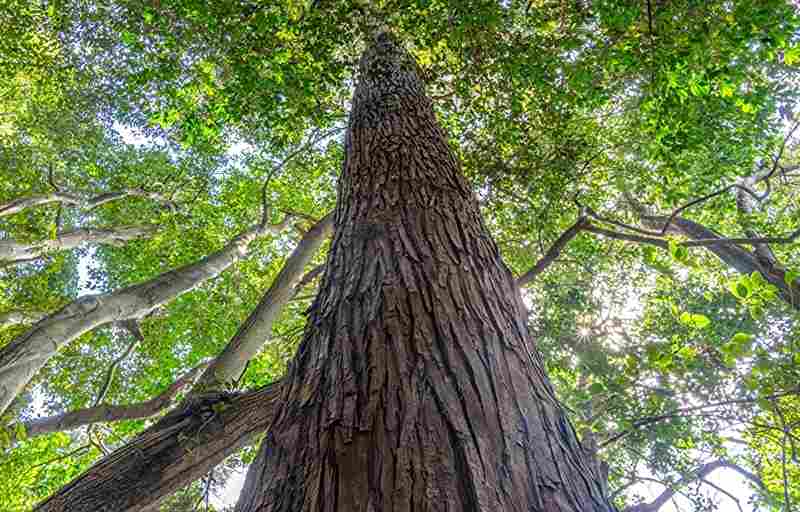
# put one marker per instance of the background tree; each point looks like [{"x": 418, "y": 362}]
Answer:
[{"x": 603, "y": 116}]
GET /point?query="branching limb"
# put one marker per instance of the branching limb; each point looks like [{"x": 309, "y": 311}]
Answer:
[
  {"x": 641, "y": 422},
  {"x": 699, "y": 474},
  {"x": 20, "y": 317},
  {"x": 79, "y": 201},
  {"x": 174, "y": 452},
  {"x": 17, "y": 252},
  {"x": 255, "y": 331},
  {"x": 25, "y": 355},
  {"x": 111, "y": 413},
  {"x": 553, "y": 252}
]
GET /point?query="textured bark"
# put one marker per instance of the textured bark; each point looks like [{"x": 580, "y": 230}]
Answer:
[
  {"x": 24, "y": 356},
  {"x": 109, "y": 413},
  {"x": 182, "y": 447},
  {"x": 11, "y": 250},
  {"x": 255, "y": 331},
  {"x": 416, "y": 386}
]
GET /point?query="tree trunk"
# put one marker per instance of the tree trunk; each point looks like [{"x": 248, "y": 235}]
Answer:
[{"x": 417, "y": 385}]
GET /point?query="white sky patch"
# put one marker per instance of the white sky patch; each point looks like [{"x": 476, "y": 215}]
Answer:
[
  {"x": 131, "y": 135},
  {"x": 233, "y": 487}
]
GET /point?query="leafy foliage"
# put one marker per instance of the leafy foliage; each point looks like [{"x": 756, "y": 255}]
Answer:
[{"x": 669, "y": 358}]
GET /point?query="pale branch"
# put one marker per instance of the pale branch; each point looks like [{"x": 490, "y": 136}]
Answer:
[
  {"x": 729, "y": 250},
  {"x": 228, "y": 367},
  {"x": 309, "y": 277},
  {"x": 700, "y": 473},
  {"x": 174, "y": 456},
  {"x": 182, "y": 447},
  {"x": 14, "y": 251},
  {"x": 627, "y": 237},
  {"x": 723, "y": 491},
  {"x": 554, "y": 251},
  {"x": 110, "y": 413},
  {"x": 78, "y": 200},
  {"x": 8, "y": 318},
  {"x": 25, "y": 355}
]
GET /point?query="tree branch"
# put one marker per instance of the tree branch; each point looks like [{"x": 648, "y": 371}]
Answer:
[
  {"x": 77, "y": 200},
  {"x": 174, "y": 452},
  {"x": 553, "y": 252},
  {"x": 699, "y": 474},
  {"x": 110, "y": 413},
  {"x": 25, "y": 355},
  {"x": 228, "y": 367},
  {"x": 13, "y": 251}
]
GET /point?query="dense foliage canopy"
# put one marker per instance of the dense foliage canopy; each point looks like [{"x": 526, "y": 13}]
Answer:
[{"x": 636, "y": 162}]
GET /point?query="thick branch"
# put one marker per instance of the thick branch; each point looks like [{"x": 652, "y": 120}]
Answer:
[
  {"x": 77, "y": 200},
  {"x": 23, "y": 357},
  {"x": 20, "y": 317},
  {"x": 254, "y": 332},
  {"x": 179, "y": 449},
  {"x": 11, "y": 250},
  {"x": 109, "y": 413}
]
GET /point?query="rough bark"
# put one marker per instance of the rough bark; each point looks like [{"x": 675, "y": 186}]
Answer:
[
  {"x": 254, "y": 332},
  {"x": 14, "y": 251},
  {"x": 416, "y": 386},
  {"x": 182, "y": 447},
  {"x": 107, "y": 413},
  {"x": 24, "y": 356}
]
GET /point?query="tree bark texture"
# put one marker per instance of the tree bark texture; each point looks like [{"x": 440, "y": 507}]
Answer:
[
  {"x": 417, "y": 385},
  {"x": 182, "y": 447}
]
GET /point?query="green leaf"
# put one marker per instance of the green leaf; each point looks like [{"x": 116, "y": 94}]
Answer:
[
  {"x": 695, "y": 320},
  {"x": 596, "y": 388}
]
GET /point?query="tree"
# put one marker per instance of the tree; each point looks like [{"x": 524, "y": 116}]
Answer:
[{"x": 634, "y": 162}]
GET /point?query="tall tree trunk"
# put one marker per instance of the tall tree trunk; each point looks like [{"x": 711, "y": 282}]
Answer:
[{"x": 417, "y": 386}]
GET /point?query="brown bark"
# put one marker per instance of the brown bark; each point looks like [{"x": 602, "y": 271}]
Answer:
[
  {"x": 174, "y": 452},
  {"x": 416, "y": 386}
]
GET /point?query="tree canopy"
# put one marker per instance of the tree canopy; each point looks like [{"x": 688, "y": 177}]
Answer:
[{"x": 636, "y": 162}]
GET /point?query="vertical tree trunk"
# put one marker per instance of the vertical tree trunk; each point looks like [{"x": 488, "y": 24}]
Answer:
[{"x": 417, "y": 386}]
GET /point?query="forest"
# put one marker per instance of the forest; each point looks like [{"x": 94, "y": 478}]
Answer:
[{"x": 390, "y": 256}]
